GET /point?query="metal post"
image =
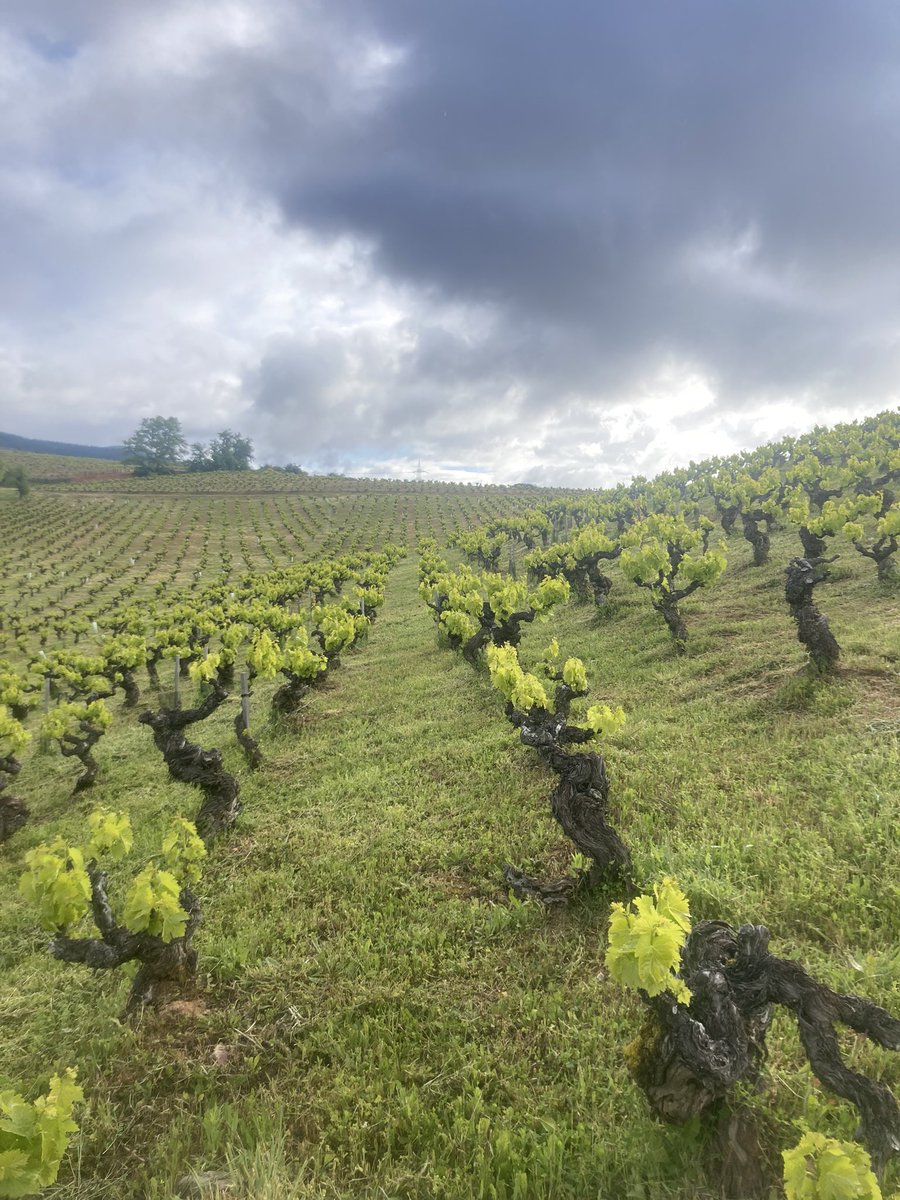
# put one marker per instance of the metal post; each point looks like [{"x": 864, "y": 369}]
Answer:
[
  {"x": 177, "y": 700},
  {"x": 46, "y": 694}
]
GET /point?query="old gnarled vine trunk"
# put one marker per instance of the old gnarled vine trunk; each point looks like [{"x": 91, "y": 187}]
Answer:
[
  {"x": 803, "y": 575},
  {"x": 80, "y": 745},
  {"x": 160, "y": 964},
  {"x": 579, "y": 802},
  {"x": 813, "y": 546},
  {"x": 688, "y": 1058},
  {"x": 757, "y": 537},
  {"x": 190, "y": 763}
]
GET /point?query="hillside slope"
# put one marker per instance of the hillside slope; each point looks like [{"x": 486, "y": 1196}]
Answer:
[{"x": 376, "y": 1018}]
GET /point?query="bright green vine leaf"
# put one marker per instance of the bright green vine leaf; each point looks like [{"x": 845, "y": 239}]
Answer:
[
  {"x": 644, "y": 949},
  {"x": 34, "y": 1137},
  {"x": 822, "y": 1168}
]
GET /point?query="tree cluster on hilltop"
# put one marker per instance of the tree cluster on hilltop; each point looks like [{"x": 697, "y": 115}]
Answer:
[{"x": 157, "y": 447}]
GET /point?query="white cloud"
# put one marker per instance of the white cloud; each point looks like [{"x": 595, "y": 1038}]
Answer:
[{"x": 367, "y": 242}]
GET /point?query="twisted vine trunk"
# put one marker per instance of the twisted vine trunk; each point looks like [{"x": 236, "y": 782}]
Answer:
[
  {"x": 162, "y": 965},
  {"x": 812, "y": 627},
  {"x": 509, "y": 631},
  {"x": 668, "y": 609},
  {"x": 600, "y": 586},
  {"x": 129, "y": 687},
  {"x": 813, "y": 546},
  {"x": 579, "y": 802},
  {"x": 498, "y": 632},
  {"x": 728, "y": 515},
  {"x": 588, "y": 579},
  {"x": 688, "y": 1058},
  {"x": 882, "y": 554},
  {"x": 287, "y": 698},
  {"x": 13, "y": 811},
  {"x": 757, "y": 537},
  {"x": 473, "y": 646},
  {"x": 152, "y": 665},
  {"x": 190, "y": 763},
  {"x": 73, "y": 746}
]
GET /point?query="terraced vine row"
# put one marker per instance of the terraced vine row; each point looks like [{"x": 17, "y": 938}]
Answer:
[
  {"x": 709, "y": 989},
  {"x": 67, "y": 562}
]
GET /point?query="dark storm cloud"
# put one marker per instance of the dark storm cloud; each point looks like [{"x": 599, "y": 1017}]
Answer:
[
  {"x": 567, "y": 240},
  {"x": 571, "y": 163}
]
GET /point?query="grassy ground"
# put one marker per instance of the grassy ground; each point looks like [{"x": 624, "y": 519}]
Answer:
[{"x": 376, "y": 1018}]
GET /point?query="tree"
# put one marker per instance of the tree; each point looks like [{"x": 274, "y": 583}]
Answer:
[
  {"x": 228, "y": 451},
  {"x": 156, "y": 446},
  {"x": 199, "y": 460},
  {"x": 14, "y": 477}
]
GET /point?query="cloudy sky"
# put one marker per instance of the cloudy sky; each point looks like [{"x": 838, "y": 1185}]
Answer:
[{"x": 511, "y": 239}]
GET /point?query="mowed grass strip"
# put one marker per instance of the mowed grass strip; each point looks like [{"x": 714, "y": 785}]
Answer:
[{"x": 376, "y": 1018}]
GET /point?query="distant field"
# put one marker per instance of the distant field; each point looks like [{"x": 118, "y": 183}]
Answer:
[
  {"x": 59, "y": 468},
  {"x": 270, "y": 480},
  {"x": 69, "y": 553}
]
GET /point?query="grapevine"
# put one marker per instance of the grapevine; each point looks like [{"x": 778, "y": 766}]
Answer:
[
  {"x": 160, "y": 913},
  {"x": 34, "y": 1137},
  {"x": 13, "y": 737}
]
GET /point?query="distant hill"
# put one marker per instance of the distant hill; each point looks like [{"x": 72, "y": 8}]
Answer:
[{"x": 12, "y": 441}]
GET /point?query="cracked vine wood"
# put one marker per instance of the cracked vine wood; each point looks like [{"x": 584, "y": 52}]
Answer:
[
  {"x": 803, "y": 574},
  {"x": 579, "y": 802},
  {"x": 190, "y": 763},
  {"x": 160, "y": 963},
  {"x": 79, "y": 745},
  {"x": 689, "y": 1057}
]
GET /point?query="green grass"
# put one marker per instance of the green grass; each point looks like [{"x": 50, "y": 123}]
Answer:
[{"x": 375, "y": 1017}]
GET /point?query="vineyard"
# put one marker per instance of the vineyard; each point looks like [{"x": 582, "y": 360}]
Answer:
[
  {"x": 416, "y": 840},
  {"x": 59, "y": 469}
]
